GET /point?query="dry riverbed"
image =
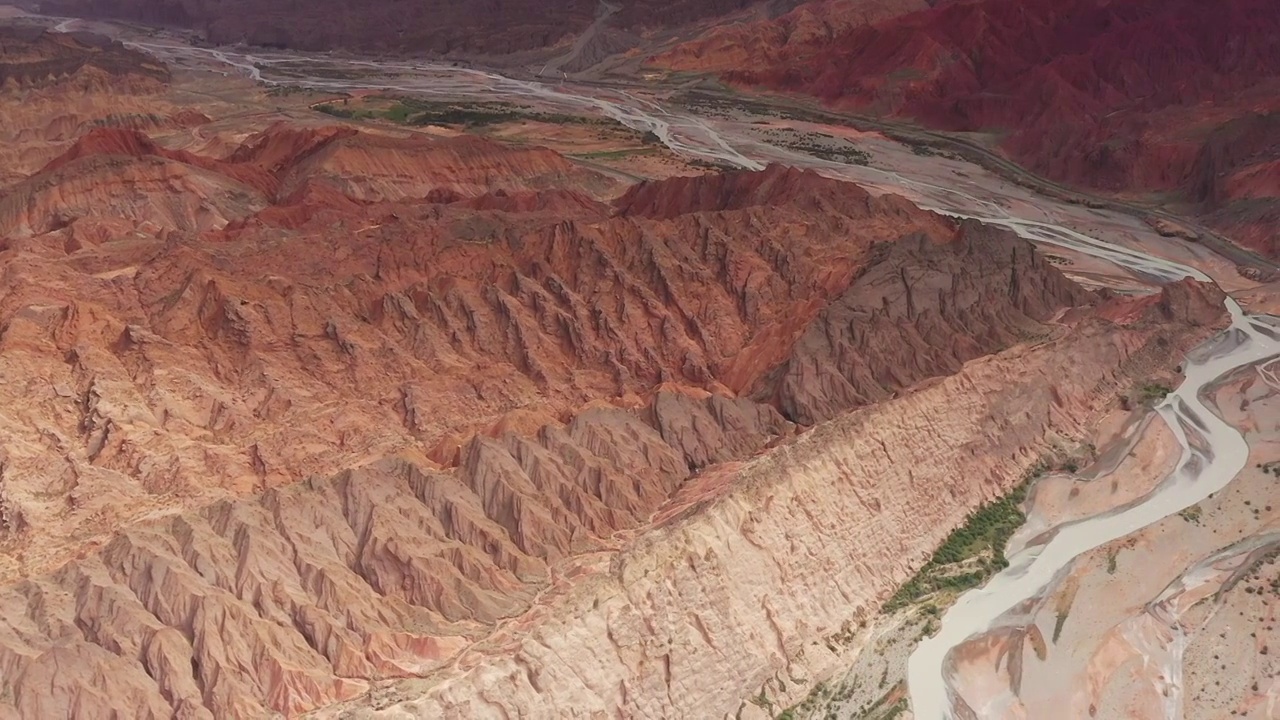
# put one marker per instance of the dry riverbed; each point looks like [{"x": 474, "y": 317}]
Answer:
[
  {"x": 1182, "y": 614},
  {"x": 1107, "y": 641}
]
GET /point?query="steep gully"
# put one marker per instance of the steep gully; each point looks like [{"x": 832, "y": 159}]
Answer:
[{"x": 1213, "y": 452}]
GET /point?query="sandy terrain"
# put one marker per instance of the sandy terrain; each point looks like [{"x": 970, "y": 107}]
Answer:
[
  {"x": 1226, "y": 671},
  {"x": 1138, "y": 457},
  {"x": 1103, "y": 643}
]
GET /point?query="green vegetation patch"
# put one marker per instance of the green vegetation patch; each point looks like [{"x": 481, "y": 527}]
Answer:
[
  {"x": 819, "y": 695},
  {"x": 974, "y": 551},
  {"x": 286, "y": 90},
  {"x": 1191, "y": 514},
  {"x": 347, "y": 113},
  {"x": 711, "y": 164},
  {"x": 411, "y": 111},
  {"x": 616, "y": 154},
  {"x": 896, "y": 710},
  {"x": 1148, "y": 395},
  {"x": 1153, "y": 392},
  {"x": 829, "y": 700},
  {"x": 819, "y": 145},
  {"x": 845, "y": 156}
]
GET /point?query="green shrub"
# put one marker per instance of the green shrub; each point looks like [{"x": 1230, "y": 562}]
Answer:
[{"x": 987, "y": 529}]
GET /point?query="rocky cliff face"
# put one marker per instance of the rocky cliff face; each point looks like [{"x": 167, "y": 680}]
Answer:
[
  {"x": 396, "y": 403},
  {"x": 918, "y": 310},
  {"x": 1236, "y": 178},
  {"x": 766, "y": 574},
  {"x": 1053, "y": 66},
  {"x": 96, "y": 85},
  {"x": 806, "y": 30},
  {"x": 303, "y": 596}
]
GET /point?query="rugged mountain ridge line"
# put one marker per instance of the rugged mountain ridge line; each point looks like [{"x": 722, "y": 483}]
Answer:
[
  {"x": 769, "y": 578},
  {"x": 113, "y": 173},
  {"x": 388, "y": 570},
  {"x": 232, "y": 344},
  {"x": 498, "y": 388},
  {"x": 32, "y": 57},
  {"x": 396, "y": 26}
]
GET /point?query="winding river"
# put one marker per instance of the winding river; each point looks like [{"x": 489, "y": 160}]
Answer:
[{"x": 1212, "y": 451}]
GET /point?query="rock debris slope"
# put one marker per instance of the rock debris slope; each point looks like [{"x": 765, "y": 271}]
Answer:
[{"x": 336, "y": 409}]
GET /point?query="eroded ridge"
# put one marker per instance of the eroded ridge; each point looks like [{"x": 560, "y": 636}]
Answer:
[{"x": 330, "y": 408}]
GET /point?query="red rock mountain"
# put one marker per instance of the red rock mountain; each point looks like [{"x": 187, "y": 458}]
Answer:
[
  {"x": 346, "y": 404},
  {"x": 1119, "y": 95},
  {"x": 809, "y": 29},
  {"x": 31, "y": 57}
]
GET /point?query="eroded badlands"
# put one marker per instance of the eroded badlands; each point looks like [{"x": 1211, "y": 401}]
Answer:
[{"x": 304, "y": 414}]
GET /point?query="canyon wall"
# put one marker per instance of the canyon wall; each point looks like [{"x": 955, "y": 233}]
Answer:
[
  {"x": 297, "y": 418},
  {"x": 770, "y": 568},
  {"x": 506, "y": 582},
  {"x": 355, "y": 404}
]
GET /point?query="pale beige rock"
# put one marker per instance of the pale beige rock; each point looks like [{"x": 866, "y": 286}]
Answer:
[{"x": 694, "y": 616}]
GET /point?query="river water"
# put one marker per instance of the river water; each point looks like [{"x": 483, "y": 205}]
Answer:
[{"x": 1212, "y": 451}]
